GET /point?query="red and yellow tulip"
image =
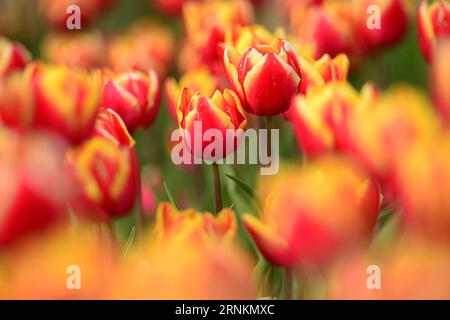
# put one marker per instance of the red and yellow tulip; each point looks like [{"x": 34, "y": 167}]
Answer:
[
  {"x": 433, "y": 22},
  {"x": 314, "y": 214},
  {"x": 13, "y": 56},
  {"x": 134, "y": 95}
]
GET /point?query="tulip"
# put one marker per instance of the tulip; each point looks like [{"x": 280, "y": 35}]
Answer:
[
  {"x": 143, "y": 47},
  {"x": 180, "y": 269},
  {"x": 265, "y": 77},
  {"x": 15, "y": 106},
  {"x": 78, "y": 50},
  {"x": 172, "y": 7},
  {"x": 333, "y": 69},
  {"x": 66, "y": 101},
  {"x": 105, "y": 179},
  {"x": 320, "y": 119},
  {"x": 422, "y": 181},
  {"x": 13, "y": 56},
  {"x": 389, "y": 126},
  {"x": 32, "y": 189},
  {"x": 197, "y": 114},
  {"x": 110, "y": 125},
  {"x": 439, "y": 79},
  {"x": 327, "y": 27},
  {"x": 192, "y": 224},
  {"x": 433, "y": 22},
  {"x": 314, "y": 214},
  {"x": 70, "y": 264},
  {"x": 404, "y": 260},
  {"x": 394, "y": 21},
  {"x": 135, "y": 96},
  {"x": 199, "y": 80},
  {"x": 206, "y": 24},
  {"x": 55, "y": 11},
  {"x": 148, "y": 201}
]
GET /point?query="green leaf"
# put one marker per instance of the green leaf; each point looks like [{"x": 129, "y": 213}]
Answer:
[
  {"x": 169, "y": 195},
  {"x": 129, "y": 242},
  {"x": 247, "y": 189}
]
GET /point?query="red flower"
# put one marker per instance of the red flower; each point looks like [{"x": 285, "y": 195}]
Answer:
[
  {"x": 13, "y": 56},
  {"x": 265, "y": 77},
  {"x": 135, "y": 96}
]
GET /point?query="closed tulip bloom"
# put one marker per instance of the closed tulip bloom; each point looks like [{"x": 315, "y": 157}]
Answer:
[
  {"x": 316, "y": 213},
  {"x": 32, "y": 189},
  {"x": 193, "y": 224},
  {"x": 222, "y": 111},
  {"x": 66, "y": 101},
  {"x": 433, "y": 22},
  {"x": 265, "y": 77},
  {"x": 13, "y": 56},
  {"x": 198, "y": 80},
  {"x": 439, "y": 79},
  {"x": 135, "y": 96},
  {"x": 104, "y": 176}
]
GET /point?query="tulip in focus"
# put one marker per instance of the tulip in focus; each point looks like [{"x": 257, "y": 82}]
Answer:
[
  {"x": 134, "y": 95},
  {"x": 433, "y": 22},
  {"x": 199, "y": 80},
  {"x": 32, "y": 189},
  {"x": 316, "y": 213},
  {"x": 13, "y": 56},
  {"x": 265, "y": 77},
  {"x": 104, "y": 178},
  {"x": 66, "y": 101},
  {"x": 197, "y": 114}
]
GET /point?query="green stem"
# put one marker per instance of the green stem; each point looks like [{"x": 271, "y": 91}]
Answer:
[
  {"x": 288, "y": 282},
  {"x": 217, "y": 188},
  {"x": 269, "y": 126}
]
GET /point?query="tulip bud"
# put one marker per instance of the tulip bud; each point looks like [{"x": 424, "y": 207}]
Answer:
[
  {"x": 13, "y": 56},
  {"x": 316, "y": 213},
  {"x": 321, "y": 118},
  {"x": 440, "y": 71},
  {"x": 198, "y": 80},
  {"x": 135, "y": 96},
  {"x": 66, "y": 101},
  {"x": 433, "y": 22},
  {"x": 32, "y": 189},
  {"x": 265, "y": 77},
  {"x": 192, "y": 224},
  {"x": 105, "y": 179},
  {"x": 197, "y": 114}
]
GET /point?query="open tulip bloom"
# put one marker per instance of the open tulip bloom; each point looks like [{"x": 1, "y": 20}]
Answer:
[{"x": 177, "y": 150}]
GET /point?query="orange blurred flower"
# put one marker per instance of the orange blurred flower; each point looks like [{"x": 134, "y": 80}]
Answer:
[
  {"x": 321, "y": 117},
  {"x": 314, "y": 214},
  {"x": 77, "y": 50},
  {"x": 440, "y": 71},
  {"x": 42, "y": 267},
  {"x": 265, "y": 77},
  {"x": 104, "y": 178},
  {"x": 13, "y": 56},
  {"x": 198, "y": 113},
  {"x": 134, "y": 95},
  {"x": 32, "y": 189},
  {"x": 180, "y": 269},
  {"x": 410, "y": 269},
  {"x": 191, "y": 224},
  {"x": 144, "y": 47},
  {"x": 433, "y": 22},
  {"x": 66, "y": 101},
  {"x": 198, "y": 80}
]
